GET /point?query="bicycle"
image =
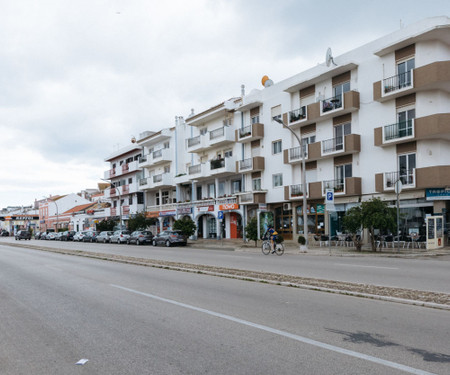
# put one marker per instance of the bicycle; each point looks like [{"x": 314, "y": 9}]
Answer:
[{"x": 266, "y": 247}]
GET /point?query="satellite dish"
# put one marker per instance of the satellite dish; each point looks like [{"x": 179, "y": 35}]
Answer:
[{"x": 329, "y": 58}]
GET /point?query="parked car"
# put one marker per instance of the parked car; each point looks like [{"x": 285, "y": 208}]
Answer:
[
  {"x": 169, "y": 238},
  {"x": 58, "y": 236},
  {"x": 120, "y": 236},
  {"x": 50, "y": 236},
  {"x": 37, "y": 235},
  {"x": 79, "y": 236},
  {"x": 140, "y": 237},
  {"x": 104, "y": 236},
  {"x": 5, "y": 233},
  {"x": 23, "y": 235},
  {"x": 67, "y": 235},
  {"x": 90, "y": 236}
]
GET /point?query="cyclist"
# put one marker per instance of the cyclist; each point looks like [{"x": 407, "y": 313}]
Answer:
[{"x": 272, "y": 233}]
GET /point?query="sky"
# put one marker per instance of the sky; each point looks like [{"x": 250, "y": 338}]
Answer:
[{"x": 79, "y": 79}]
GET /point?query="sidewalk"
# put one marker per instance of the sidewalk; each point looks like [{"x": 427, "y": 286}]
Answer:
[{"x": 293, "y": 248}]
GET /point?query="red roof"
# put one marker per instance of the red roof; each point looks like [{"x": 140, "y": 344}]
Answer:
[{"x": 79, "y": 208}]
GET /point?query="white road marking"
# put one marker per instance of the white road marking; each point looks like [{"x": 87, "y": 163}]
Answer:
[
  {"x": 82, "y": 362},
  {"x": 305, "y": 340},
  {"x": 357, "y": 265}
]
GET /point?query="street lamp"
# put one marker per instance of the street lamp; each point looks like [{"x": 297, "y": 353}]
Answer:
[{"x": 305, "y": 214}]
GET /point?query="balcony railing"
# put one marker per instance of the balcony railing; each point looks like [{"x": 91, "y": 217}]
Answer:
[
  {"x": 245, "y": 164},
  {"x": 296, "y": 154},
  {"x": 398, "y": 82},
  {"x": 399, "y": 130},
  {"x": 406, "y": 177},
  {"x": 193, "y": 141},
  {"x": 337, "y": 185},
  {"x": 296, "y": 190},
  {"x": 143, "y": 181},
  {"x": 216, "y": 164},
  {"x": 217, "y": 133},
  {"x": 157, "y": 178},
  {"x": 194, "y": 169},
  {"x": 332, "y": 103},
  {"x": 333, "y": 145},
  {"x": 245, "y": 132},
  {"x": 297, "y": 114},
  {"x": 157, "y": 154}
]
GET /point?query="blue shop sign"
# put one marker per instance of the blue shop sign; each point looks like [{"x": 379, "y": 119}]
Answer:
[{"x": 437, "y": 194}]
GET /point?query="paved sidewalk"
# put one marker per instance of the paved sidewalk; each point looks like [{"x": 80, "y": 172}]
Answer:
[{"x": 293, "y": 248}]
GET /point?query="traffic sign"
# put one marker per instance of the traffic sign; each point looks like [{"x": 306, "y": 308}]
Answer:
[
  {"x": 329, "y": 196},
  {"x": 220, "y": 215}
]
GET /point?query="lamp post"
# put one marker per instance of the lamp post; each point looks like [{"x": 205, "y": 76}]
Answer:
[{"x": 305, "y": 214}]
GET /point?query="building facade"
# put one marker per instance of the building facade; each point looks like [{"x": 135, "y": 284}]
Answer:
[{"x": 366, "y": 121}]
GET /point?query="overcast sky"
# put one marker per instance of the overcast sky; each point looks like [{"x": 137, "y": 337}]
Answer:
[{"x": 79, "y": 78}]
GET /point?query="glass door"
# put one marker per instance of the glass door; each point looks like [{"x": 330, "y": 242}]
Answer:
[
  {"x": 407, "y": 164},
  {"x": 405, "y": 122},
  {"x": 404, "y": 73}
]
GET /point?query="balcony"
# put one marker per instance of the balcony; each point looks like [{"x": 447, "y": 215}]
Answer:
[
  {"x": 221, "y": 136},
  {"x": 434, "y": 76},
  {"x": 197, "y": 144},
  {"x": 252, "y": 197},
  {"x": 162, "y": 180},
  {"x": 197, "y": 171},
  {"x": 221, "y": 167},
  {"x": 250, "y": 133},
  {"x": 297, "y": 117},
  {"x": 429, "y": 127},
  {"x": 144, "y": 183},
  {"x": 294, "y": 192},
  {"x": 294, "y": 155},
  {"x": 254, "y": 164},
  {"x": 344, "y": 187},
  {"x": 109, "y": 174},
  {"x": 408, "y": 179},
  {"x": 160, "y": 156}
]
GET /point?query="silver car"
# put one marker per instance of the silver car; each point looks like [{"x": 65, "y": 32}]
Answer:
[
  {"x": 120, "y": 236},
  {"x": 104, "y": 236}
]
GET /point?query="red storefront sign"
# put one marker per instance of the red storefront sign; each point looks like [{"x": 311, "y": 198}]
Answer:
[{"x": 228, "y": 206}]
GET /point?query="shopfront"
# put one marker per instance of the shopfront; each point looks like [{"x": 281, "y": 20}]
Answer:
[{"x": 316, "y": 218}]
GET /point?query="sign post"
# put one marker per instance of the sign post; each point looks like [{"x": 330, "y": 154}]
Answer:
[{"x": 329, "y": 200}]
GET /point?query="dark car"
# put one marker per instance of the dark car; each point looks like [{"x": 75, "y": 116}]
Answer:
[
  {"x": 104, "y": 236},
  {"x": 90, "y": 236},
  {"x": 5, "y": 233},
  {"x": 169, "y": 238},
  {"x": 67, "y": 235},
  {"x": 140, "y": 237},
  {"x": 23, "y": 235}
]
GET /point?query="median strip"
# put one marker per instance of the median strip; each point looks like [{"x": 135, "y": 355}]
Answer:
[{"x": 392, "y": 294}]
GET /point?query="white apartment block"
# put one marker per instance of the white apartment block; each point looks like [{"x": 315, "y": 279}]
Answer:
[
  {"x": 124, "y": 175},
  {"x": 372, "y": 116}
]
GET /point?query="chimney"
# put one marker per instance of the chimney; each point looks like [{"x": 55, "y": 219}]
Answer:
[{"x": 242, "y": 90}]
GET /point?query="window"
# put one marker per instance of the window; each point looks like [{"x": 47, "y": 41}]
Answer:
[
  {"x": 340, "y": 89},
  {"x": 339, "y": 132},
  {"x": 256, "y": 184},
  {"x": 277, "y": 180},
  {"x": 130, "y": 200},
  {"x": 199, "y": 192},
  {"x": 140, "y": 198},
  {"x": 276, "y": 147},
  {"x": 235, "y": 186},
  {"x": 404, "y": 119},
  {"x": 406, "y": 166},
  {"x": 404, "y": 72},
  {"x": 203, "y": 131},
  {"x": 341, "y": 172},
  {"x": 211, "y": 190},
  {"x": 130, "y": 180},
  {"x": 255, "y": 119},
  {"x": 228, "y": 153},
  {"x": 115, "y": 204},
  {"x": 167, "y": 169},
  {"x": 165, "y": 197},
  {"x": 166, "y": 145},
  {"x": 221, "y": 189}
]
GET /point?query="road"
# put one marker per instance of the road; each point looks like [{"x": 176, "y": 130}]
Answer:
[
  {"x": 419, "y": 274},
  {"x": 124, "y": 319}
]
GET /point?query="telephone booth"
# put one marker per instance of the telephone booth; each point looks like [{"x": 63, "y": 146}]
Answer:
[{"x": 435, "y": 232}]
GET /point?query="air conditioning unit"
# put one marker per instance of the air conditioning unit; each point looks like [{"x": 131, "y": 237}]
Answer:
[{"x": 286, "y": 206}]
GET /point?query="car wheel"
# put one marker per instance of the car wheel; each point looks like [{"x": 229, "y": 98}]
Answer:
[{"x": 167, "y": 243}]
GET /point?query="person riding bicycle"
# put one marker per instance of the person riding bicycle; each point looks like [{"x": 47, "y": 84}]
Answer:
[{"x": 272, "y": 233}]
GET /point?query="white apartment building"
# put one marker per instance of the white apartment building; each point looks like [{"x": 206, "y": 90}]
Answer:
[
  {"x": 124, "y": 175},
  {"x": 366, "y": 119}
]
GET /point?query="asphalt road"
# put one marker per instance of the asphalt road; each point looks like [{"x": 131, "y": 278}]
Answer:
[
  {"x": 429, "y": 274},
  {"x": 124, "y": 319}
]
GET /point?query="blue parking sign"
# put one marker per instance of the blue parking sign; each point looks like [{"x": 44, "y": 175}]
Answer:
[
  {"x": 220, "y": 215},
  {"x": 329, "y": 196}
]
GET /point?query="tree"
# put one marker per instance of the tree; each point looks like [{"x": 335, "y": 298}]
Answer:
[
  {"x": 140, "y": 221},
  {"x": 106, "y": 225},
  {"x": 372, "y": 214},
  {"x": 251, "y": 230},
  {"x": 352, "y": 222},
  {"x": 186, "y": 225}
]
